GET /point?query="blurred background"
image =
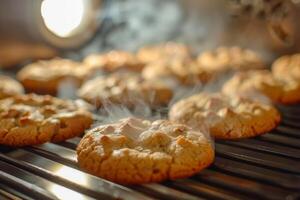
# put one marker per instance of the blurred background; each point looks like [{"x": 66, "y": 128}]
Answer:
[{"x": 36, "y": 29}]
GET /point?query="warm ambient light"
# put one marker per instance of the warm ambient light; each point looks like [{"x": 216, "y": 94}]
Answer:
[{"x": 62, "y": 17}]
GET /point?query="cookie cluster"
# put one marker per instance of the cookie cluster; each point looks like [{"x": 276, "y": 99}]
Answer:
[
  {"x": 134, "y": 150},
  {"x": 281, "y": 84},
  {"x": 32, "y": 119}
]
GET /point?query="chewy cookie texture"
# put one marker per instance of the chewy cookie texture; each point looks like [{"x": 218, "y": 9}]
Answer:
[
  {"x": 254, "y": 83},
  {"x": 227, "y": 117},
  {"x": 125, "y": 89},
  {"x": 46, "y": 77},
  {"x": 166, "y": 51},
  {"x": 34, "y": 119},
  {"x": 287, "y": 67},
  {"x": 135, "y": 151},
  {"x": 182, "y": 70},
  {"x": 9, "y": 87},
  {"x": 114, "y": 61},
  {"x": 222, "y": 59}
]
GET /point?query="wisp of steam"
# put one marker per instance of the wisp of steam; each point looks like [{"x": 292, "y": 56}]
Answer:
[{"x": 67, "y": 89}]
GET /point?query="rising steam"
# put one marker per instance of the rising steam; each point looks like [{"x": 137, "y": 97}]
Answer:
[{"x": 133, "y": 24}]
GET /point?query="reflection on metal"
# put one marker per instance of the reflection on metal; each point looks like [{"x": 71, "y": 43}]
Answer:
[
  {"x": 72, "y": 174},
  {"x": 63, "y": 192}
]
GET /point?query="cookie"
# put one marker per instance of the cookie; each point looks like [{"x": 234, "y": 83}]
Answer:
[
  {"x": 126, "y": 89},
  {"x": 33, "y": 119},
  {"x": 167, "y": 51},
  {"x": 9, "y": 87},
  {"x": 226, "y": 117},
  {"x": 183, "y": 71},
  {"x": 113, "y": 61},
  {"x": 287, "y": 67},
  {"x": 225, "y": 59},
  {"x": 45, "y": 77},
  {"x": 253, "y": 83},
  {"x": 135, "y": 151}
]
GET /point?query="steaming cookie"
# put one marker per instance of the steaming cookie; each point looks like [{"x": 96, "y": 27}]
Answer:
[
  {"x": 287, "y": 67},
  {"x": 252, "y": 83},
  {"x": 33, "y": 119},
  {"x": 9, "y": 87},
  {"x": 226, "y": 117},
  {"x": 184, "y": 71},
  {"x": 135, "y": 151},
  {"x": 168, "y": 50},
  {"x": 126, "y": 89},
  {"x": 113, "y": 61},
  {"x": 45, "y": 77},
  {"x": 225, "y": 59}
]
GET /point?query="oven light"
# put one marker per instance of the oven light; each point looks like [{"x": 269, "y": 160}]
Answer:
[{"x": 62, "y": 17}]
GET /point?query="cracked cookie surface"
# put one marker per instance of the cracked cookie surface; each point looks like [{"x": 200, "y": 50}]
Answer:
[
  {"x": 34, "y": 119},
  {"x": 46, "y": 76},
  {"x": 252, "y": 84},
  {"x": 226, "y": 117},
  {"x": 113, "y": 61},
  {"x": 136, "y": 151},
  {"x": 9, "y": 87},
  {"x": 125, "y": 89},
  {"x": 224, "y": 59}
]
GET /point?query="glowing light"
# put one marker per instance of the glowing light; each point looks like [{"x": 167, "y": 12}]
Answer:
[{"x": 62, "y": 17}]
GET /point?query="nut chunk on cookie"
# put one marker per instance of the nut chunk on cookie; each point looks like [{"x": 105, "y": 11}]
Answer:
[
  {"x": 32, "y": 119},
  {"x": 135, "y": 151},
  {"x": 9, "y": 87},
  {"x": 226, "y": 117}
]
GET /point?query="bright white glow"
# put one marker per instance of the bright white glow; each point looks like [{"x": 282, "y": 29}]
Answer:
[
  {"x": 62, "y": 16},
  {"x": 65, "y": 193},
  {"x": 70, "y": 174}
]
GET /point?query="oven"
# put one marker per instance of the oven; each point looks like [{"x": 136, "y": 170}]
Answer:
[{"x": 264, "y": 167}]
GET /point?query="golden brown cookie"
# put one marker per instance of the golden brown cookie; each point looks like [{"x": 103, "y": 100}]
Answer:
[
  {"x": 126, "y": 89},
  {"x": 34, "y": 119},
  {"x": 45, "y": 77},
  {"x": 224, "y": 59},
  {"x": 169, "y": 50},
  {"x": 135, "y": 151},
  {"x": 253, "y": 83},
  {"x": 226, "y": 117},
  {"x": 184, "y": 71},
  {"x": 9, "y": 87},
  {"x": 113, "y": 61},
  {"x": 287, "y": 67}
]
